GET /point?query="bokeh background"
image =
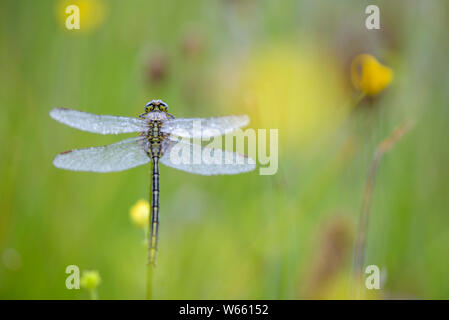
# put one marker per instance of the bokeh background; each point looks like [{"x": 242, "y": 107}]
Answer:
[{"x": 286, "y": 65}]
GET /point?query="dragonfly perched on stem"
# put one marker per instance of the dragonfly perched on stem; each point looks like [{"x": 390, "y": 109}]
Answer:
[{"x": 161, "y": 137}]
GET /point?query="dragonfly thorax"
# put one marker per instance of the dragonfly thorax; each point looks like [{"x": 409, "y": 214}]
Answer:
[
  {"x": 156, "y": 116},
  {"x": 154, "y": 135}
]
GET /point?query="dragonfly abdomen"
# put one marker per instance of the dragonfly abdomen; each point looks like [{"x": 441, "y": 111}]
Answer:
[
  {"x": 155, "y": 138},
  {"x": 154, "y": 224}
]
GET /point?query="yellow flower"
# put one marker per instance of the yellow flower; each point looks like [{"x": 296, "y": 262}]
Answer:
[
  {"x": 91, "y": 13},
  {"x": 140, "y": 213},
  {"x": 296, "y": 88},
  {"x": 369, "y": 75},
  {"x": 90, "y": 280}
]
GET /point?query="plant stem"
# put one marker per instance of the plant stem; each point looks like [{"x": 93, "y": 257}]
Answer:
[
  {"x": 362, "y": 229},
  {"x": 356, "y": 102},
  {"x": 93, "y": 294},
  {"x": 150, "y": 270}
]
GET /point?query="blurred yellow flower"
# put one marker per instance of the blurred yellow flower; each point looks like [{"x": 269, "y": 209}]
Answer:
[
  {"x": 296, "y": 88},
  {"x": 369, "y": 75},
  {"x": 90, "y": 279},
  {"x": 140, "y": 213},
  {"x": 91, "y": 12}
]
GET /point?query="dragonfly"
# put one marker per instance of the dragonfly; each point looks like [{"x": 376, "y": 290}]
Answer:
[{"x": 160, "y": 138}]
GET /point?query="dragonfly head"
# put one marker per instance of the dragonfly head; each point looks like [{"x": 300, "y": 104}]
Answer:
[
  {"x": 156, "y": 109},
  {"x": 156, "y": 105}
]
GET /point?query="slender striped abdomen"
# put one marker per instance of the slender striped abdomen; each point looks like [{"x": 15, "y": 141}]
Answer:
[{"x": 154, "y": 222}]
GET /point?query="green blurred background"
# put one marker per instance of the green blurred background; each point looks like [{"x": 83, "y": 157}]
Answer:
[{"x": 285, "y": 64}]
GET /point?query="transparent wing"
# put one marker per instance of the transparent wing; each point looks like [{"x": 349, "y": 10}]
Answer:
[
  {"x": 193, "y": 158},
  {"x": 97, "y": 123},
  {"x": 119, "y": 156},
  {"x": 204, "y": 128}
]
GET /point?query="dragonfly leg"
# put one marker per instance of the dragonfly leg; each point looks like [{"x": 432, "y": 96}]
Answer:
[{"x": 154, "y": 222}]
